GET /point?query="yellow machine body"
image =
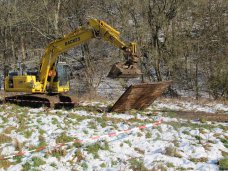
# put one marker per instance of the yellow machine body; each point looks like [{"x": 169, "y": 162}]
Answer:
[{"x": 28, "y": 84}]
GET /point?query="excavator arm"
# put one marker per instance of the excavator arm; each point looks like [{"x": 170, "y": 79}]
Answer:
[{"x": 96, "y": 29}]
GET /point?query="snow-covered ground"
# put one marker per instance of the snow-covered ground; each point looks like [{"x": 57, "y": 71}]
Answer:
[
  {"x": 176, "y": 144},
  {"x": 210, "y": 107}
]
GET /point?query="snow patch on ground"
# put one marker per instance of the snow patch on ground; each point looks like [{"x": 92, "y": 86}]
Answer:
[
  {"x": 194, "y": 146},
  {"x": 180, "y": 105}
]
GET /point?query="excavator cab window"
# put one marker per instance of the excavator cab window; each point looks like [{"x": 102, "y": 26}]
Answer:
[{"x": 62, "y": 75}]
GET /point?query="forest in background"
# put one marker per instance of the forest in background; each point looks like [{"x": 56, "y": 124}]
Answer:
[{"x": 180, "y": 40}]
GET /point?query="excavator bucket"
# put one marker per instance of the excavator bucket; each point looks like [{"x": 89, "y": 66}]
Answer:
[
  {"x": 140, "y": 96},
  {"x": 121, "y": 70}
]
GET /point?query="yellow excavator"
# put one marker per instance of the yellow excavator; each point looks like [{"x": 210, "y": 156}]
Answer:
[
  {"x": 47, "y": 87},
  {"x": 52, "y": 78},
  {"x": 52, "y": 75}
]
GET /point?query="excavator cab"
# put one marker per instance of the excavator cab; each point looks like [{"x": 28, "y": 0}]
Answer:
[{"x": 61, "y": 81}]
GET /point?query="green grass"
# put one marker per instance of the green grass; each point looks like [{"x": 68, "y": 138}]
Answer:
[
  {"x": 191, "y": 125},
  {"x": 224, "y": 154},
  {"x": 5, "y": 139},
  {"x": 196, "y": 160},
  {"x": 186, "y": 132},
  {"x": 170, "y": 165},
  {"x": 103, "y": 165},
  {"x": 92, "y": 125},
  {"x": 87, "y": 108},
  {"x": 38, "y": 161},
  {"x": 28, "y": 133},
  {"x": 148, "y": 135},
  {"x": 102, "y": 122},
  {"x": 158, "y": 128},
  {"x": 197, "y": 137},
  {"x": 56, "y": 154},
  {"x": 105, "y": 146},
  {"x": 225, "y": 128},
  {"x": 39, "y": 120},
  {"x": 79, "y": 155},
  {"x": 202, "y": 119},
  {"x": 159, "y": 166},
  {"x": 5, "y": 164},
  {"x": 85, "y": 131},
  {"x": 64, "y": 138},
  {"x": 223, "y": 164},
  {"x": 93, "y": 149},
  {"x": 114, "y": 162},
  {"x": 137, "y": 164},
  {"x": 9, "y": 129},
  {"x": 77, "y": 144},
  {"x": 158, "y": 136},
  {"x": 84, "y": 166},
  {"x": 139, "y": 150},
  {"x": 172, "y": 151},
  {"x": 182, "y": 168},
  {"x": 171, "y": 114},
  {"x": 224, "y": 141},
  {"x": 77, "y": 117},
  {"x": 176, "y": 142},
  {"x": 26, "y": 167},
  {"x": 53, "y": 165},
  {"x": 128, "y": 142},
  {"x": 4, "y": 119},
  {"x": 54, "y": 121},
  {"x": 18, "y": 159},
  {"x": 41, "y": 131}
]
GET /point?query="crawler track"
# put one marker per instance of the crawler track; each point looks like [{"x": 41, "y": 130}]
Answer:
[{"x": 42, "y": 100}]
